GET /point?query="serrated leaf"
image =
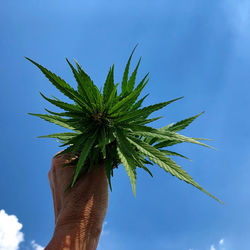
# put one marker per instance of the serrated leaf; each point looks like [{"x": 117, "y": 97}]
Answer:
[
  {"x": 144, "y": 167},
  {"x": 145, "y": 112},
  {"x": 144, "y": 121},
  {"x": 183, "y": 124},
  {"x": 166, "y": 163},
  {"x": 139, "y": 103},
  {"x": 61, "y": 85},
  {"x": 93, "y": 156},
  {"x": 66, "y": 150},
  {"x": 88, "y": 85},
  {"x": 167, "y": 143},
  {"x": 60, "y": 136},
  {"x": 111, "y": 99},
  {"x": 63, "y": 105},
  {"x": 167, "y": 152},
  {"x": 85, "y": 93},
  {"x": 83, "y": 156},
  {"x": 54, "y": 119},
  {"x": 167, "y": 135},
  {"x": 99, "y": 100},
  {"x": 129, "y": 167},
  {"x": 126, "y": 72},
  {"x": 108, "y": 169},
  {"x": 76, "y": 115},
  {"x": 108, "y": 85},
  {"x": 128, "y": 100},
  {"x": 102, "y": 141},
  {"x": 131, "y": 81}
]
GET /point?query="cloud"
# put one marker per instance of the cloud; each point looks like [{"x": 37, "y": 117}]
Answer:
[
  {"x": 221, "y": 242},
  {"x": 212, "y": 247},
  {"x": 220, "y": 245},
  {"x": 36, "y": 246},
  {"x": 10, "y": 233}
]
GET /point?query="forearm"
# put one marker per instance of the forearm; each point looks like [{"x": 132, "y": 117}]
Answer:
[{"x": 75, "y": 238}]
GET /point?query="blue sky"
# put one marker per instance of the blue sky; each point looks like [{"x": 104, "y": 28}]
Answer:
[{"x": 196, "y": 49}]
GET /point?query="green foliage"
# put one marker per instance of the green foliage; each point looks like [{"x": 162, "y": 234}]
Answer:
[{"x": 110, "y": 128}]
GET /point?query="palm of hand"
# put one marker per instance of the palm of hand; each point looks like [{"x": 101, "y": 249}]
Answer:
[{"x": 85, "y": 205}]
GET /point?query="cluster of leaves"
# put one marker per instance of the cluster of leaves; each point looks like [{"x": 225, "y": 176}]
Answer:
[{"x": 111, "y": 128}]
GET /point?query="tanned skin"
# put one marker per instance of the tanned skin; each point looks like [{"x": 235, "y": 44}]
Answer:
[{"x": 80, "y": 211}]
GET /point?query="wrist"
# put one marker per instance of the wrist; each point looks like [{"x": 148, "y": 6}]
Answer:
[{"x": 75, "y": 237}]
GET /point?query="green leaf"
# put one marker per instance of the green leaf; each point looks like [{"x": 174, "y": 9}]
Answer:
[
  {"x": 129, "y": 167},
  {"x": 166, "y": 163},
  {"x": 131, "y": 82},
  {"x": 66, "y": 150},
  {"x": 54, "y": 119},
  {"x": 108, "y": 85},
  {"x": 63, "y": 105},
  {"x": 167, "y": 143},
  {"x": 133, "y": 158},
  {"x": 125, "y": 74},
  {"x": 167, "y": 152},
  {"x": 144, "y": 167},
  {"x": 108, "y": 169},
  {"x": 144, "y": 112},
  {"x": 76, "y": 115},
  {"x": 142, "y": 82},
  {"x": 143, "y": 121},
  {"x": 61, "y": 85},
  {"x": 102, "y": 141},
  {"x": 99, "y": 101},
  {"x": 128, "y": 100},
  {"x": 167, "y": 135},
  {"x": 88, "y": 84},
  {"x": 202, "y": 139},
  {"x": 183, "y": 124},
  {"x": 139, "y": 103},
  {"x": 93, "y": 155},
  {"x": 60, "y": 136},
  {"x": 83, "y": 135},
  {"x": 83, "y": 156},
  {"x": 111, "y": 99},
  {"x": 77, "y": 144},
  {"x": 85, "y": 93},
  {"x": 128, "y": 149}
]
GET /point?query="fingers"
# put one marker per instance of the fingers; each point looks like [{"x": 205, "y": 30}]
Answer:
[
  {"x": 88, "y": 198},
  {"x": 54, "y": 178},
  {"x": 53, "y": 195}
]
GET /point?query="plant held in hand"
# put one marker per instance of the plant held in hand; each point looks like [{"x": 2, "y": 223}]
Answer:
[{"x": 112, "y": 128}]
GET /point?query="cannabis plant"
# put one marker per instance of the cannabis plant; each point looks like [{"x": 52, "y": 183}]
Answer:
[{"x": 111, "y": 128}]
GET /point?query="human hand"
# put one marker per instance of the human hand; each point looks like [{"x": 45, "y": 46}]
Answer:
[{"x": 80, "y": 211}]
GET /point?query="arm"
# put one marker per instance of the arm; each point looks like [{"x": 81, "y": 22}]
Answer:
[{"x": 79, "y": 212}]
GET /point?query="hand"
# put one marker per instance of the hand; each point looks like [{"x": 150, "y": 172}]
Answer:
[{"x": 80, "y": 211}]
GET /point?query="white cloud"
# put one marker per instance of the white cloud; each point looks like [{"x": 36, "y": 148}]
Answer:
[
  {"x": 221, "y": 242},
  {"x": 220, "y": 245},
  {"x": 10, "y": 233},
  {"x": 212, "y": 247},
  {"x": 36, "y": 246}
]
